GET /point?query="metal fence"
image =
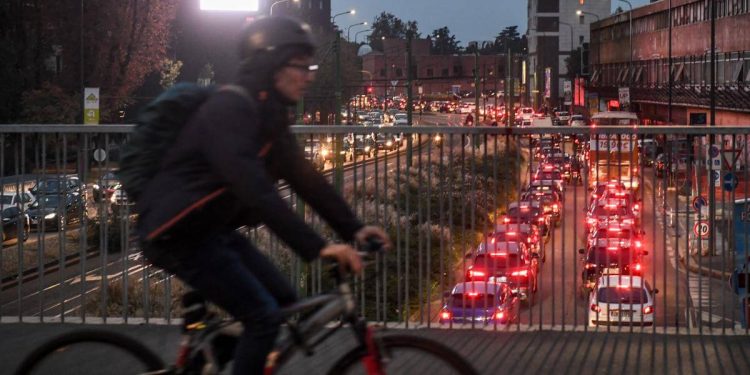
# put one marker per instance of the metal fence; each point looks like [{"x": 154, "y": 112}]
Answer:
[{"x": 446, "y": 196}]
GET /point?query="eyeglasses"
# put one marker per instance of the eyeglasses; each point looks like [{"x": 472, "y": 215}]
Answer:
[{"x": 306, "y": 68}]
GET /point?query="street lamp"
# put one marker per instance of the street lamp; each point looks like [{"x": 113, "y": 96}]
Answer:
[
  {"x": 333, "y": 18},
  {"x": 270, "y": 11},
  {"x": 630, "y": 32},
  {"x": 360, "y": 32},
  {"x": 349, "y": 29}
]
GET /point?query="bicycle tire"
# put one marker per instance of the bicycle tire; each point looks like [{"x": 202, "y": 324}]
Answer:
[
  {"x": 137, "y": 350},
  {"x": 416, "y": 343}
]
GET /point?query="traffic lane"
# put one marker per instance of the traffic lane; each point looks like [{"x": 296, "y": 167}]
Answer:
[{"x": 672, "y": 301}]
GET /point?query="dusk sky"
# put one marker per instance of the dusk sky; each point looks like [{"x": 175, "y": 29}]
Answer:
[{"x": 468, "y": 20}]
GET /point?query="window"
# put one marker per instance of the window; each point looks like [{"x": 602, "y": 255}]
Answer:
[
  {"x": 321, "y": 4},
  {"x": 457, "y": 70},
  {"x": 429, "y": 72},
  {"x": 547, "y": 24},
  {"x": 399, "y": 73},
  {"x": 382, "y": 72},
  {"x": 445, "y": 72}
]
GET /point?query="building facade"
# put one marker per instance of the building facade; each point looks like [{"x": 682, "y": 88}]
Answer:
[
  {"x": 554, "y": 31},
  {"x": 647, "y": 78},
  {"x": 436, "y": 74}
]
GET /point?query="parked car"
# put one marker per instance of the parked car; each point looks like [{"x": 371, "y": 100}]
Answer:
[
  {"x": 15, "y": 222},
  {"x": 56, "y": 211},
  {"x": 562, "y": 118},
  {"x": 23, "y": 200},
  {"x": 577, "y": 120},
  {"x": 400, "y": 119},
  {"x": 480, "y": 302},
  {"x": 58, "y": 185}
]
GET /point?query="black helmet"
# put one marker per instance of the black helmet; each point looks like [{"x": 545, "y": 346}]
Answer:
[{"x": 270, "y": 35}]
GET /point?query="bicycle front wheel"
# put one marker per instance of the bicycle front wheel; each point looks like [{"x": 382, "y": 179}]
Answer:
[
  {"x": 405, "y": 354},
  {"x": 91, "y": 352}
]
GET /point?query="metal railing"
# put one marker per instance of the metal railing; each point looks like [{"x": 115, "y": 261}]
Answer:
[{"x": 442, "y": 210}]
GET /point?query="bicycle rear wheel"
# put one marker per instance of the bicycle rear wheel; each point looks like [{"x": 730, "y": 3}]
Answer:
[
  {"x": 91, "y": 352},
  {"x": 405, "y": 354}
]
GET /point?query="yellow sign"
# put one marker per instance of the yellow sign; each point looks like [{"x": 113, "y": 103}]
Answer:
[{"x": 91, "y": 106}]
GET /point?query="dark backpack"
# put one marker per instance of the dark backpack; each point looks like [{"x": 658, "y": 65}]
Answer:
[{"x": 157, "y": 128}]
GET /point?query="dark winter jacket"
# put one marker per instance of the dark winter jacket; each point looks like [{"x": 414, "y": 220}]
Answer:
[{"x": 220, "y": 175}]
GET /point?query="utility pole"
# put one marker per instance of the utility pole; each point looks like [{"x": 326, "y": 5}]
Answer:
[
  {"x": 409, "y": 98},
  {"x": 669, "y": 48},
  {"x": 339, "y": 161}
]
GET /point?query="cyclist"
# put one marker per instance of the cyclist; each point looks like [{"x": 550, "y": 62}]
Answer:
[
  {"x": 220, "y": 174},
  {"x": 469, "y": 121}
]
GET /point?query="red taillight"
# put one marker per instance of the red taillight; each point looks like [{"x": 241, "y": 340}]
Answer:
[
  {"x": 473, "y": 294},
  {"x": 541, "y": 220},
  {"x": 591, "y": 221},
  {"x": 636, "y": 207},
  {"x": 637, "y": 267},
  {"x": 595, "y": 307},
  {"x": 506, "y": 219},
  {"x": 523, "y": 273},
  {"x": 648, "y": 309},
  {"x": 445, "y": 315},
  {"x": 628, "y": 221},
  {"x": 589, "y": 266},
  {"x": 492, "y": 240},
  {"x": 638, "y": 244},
  {"x": 555, "y": 207},
  {"x": 473, "y": 273},
  {"x": 499, "y": 315}
]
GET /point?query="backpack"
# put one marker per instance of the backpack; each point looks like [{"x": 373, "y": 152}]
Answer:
[{"x": 157, "y": 127}]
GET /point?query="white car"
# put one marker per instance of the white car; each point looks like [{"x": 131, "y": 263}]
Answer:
[
  {"x": 400, "y": 119},
  {"x": 12, "y": 199},
  {"x": 577, "y": 120},
  {"x": 621, "y": 300}
]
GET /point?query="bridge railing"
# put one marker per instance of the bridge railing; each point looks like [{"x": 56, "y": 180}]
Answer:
[{"x": 446, "y": 196}]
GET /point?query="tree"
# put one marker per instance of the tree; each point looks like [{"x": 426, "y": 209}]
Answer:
[
  {"x": 170, "y": 70},
  {"x": 573, "y": 63},
  {"x": 391, "y": 27},
  {"x": 443, "y": 42},
  {"x": 509, "y": 37},
  {"x": 123, "y": 41}
]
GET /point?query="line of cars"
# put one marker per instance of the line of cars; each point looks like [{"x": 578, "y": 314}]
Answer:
[
  {"x": 52, "y": 203},
  {"x": 613, "y": 259},
  {"x": 505, "y": 267}
]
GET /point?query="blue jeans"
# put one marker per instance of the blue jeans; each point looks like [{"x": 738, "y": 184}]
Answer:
[{"x": 227, "y": 270}]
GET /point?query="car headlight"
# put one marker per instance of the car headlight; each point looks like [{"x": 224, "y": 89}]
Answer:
[
  {"x": 437, "y": 138},
  {"x": 389, "y": 143},
  {"x": 50, "y": 216},
  {"x": 324, "y": 152},
  {"x": 367, "y": 148}
]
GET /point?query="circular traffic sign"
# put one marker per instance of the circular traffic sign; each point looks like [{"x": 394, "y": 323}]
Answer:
[
  {"x": 100, "y": 155},
  {"x": 714, "y": 151},
  {"x": 701, "y": 229},
  {"x": 730, "y": 181},
  {"x": 699, "y": 202}
]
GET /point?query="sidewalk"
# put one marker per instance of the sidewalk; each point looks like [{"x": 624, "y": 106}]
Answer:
[{"x": 718, "y": 266}]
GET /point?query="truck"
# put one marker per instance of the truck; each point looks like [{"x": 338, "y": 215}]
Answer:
[{"x": 613, "y": 157}]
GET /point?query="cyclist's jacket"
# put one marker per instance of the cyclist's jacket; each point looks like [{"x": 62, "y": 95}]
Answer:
[{"x": 221, "y": 172}]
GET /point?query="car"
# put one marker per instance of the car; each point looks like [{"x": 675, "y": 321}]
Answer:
[
  {"x": 12, "y": 199},
  {"x": 314, "y": 153},
  {"x": 624, "y": 235},
  {"x": 527, "y": 212},
  {"x": 609, "y": 260},
  {"x": 550, "y": 200},
  {"x": 525, "y": 113},
  {"x": 562, "y": 117},
  {"x": 400, "y": 118},
  {"x": 507, "y": 262},
  {"x": 549, "y": 172},
  {"x": 577, "y": 120},
  {"x": 15, "y": 222},
  {"x": 480, "y": 302},
  {"x": 359, "y": 144},
  {"x": 621, "y": 300},
  {"x": 58, "y": 185},
  {"x": 56, "y": 211},
  {"x": 528, "y": 233},
  {"x": 385, "y": 141},
  {"x": 609, "y": 210}
]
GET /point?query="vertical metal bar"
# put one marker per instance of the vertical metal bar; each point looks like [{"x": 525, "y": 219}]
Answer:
[
  {"x": 2, "y": 177},
  {"x": 399, "y": 301},
  {"x": 377, "y": 220},
  {"x": 428, "y": 226},
  {"x": 441, "y": 220},
  {"x": 420, "y": 233},
  {"x": 387, "y": 225},
  {"x": 20, "y": 251},
  {"x": 451, "y": 272}
]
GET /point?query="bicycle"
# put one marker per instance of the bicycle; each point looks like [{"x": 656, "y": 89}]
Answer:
[{"x": 207, "y": 344}]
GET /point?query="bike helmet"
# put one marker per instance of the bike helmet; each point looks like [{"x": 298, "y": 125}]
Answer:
[{"x": 274, "y": 35}]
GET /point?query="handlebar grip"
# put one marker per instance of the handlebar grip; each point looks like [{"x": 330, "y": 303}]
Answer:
[{"x": 372, "y": 245}]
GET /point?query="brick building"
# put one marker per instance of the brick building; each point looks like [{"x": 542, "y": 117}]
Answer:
[
  {"x": 435, "y": 73},
  {"x": 648, "y": 76}
]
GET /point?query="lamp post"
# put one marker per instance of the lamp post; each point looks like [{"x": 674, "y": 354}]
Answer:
[
  {"x": 349, "y": 29},
  {"x": 598, "y": 47},
  {"x": 360, "y": 32},
  {"x": 630, "y": 33},
  {"x": 270, "y": 11},
  {"x": 339, "y": 161}
]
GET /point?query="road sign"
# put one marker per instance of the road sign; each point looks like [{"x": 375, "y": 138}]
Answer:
[
  {"x": 715, "y": 177},
  {"x": 624, "y": 96},
  {"x": 394, "y": 83},
  {"x": 701, "y": 229},
  {"x": 91, "y": 105},
  {"x": 100, "y": 155},
  {"x": 699, "y": 202},
  {"x": 730, "y": 181}
]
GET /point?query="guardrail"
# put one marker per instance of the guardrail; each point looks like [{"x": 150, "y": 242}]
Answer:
[{"x": 442, "y": 207}]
